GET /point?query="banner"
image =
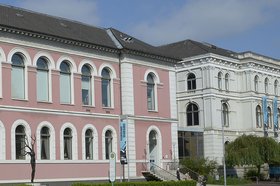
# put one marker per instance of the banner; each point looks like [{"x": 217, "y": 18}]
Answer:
[
  {"x": 275, "y": 113},
  {"x": 265, "y": 114},
  {"x": 123, "y": 141}
]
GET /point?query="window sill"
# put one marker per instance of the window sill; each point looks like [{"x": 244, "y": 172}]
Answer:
[
  {"x": 108, "y": 108},
  {"x": 45, "y": 102},
  {"x": 88, "y": 106},
  {"x": 154, "y": 111},
  {"x": 18, "y": 99},
  {"x": 67, "y": 104}
]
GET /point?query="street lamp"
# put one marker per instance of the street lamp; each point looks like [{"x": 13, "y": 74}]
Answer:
[{"x": 224, "y": 117}]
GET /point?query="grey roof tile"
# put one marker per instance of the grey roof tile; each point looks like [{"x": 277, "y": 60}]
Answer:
[
  {"x": 54, "y": 26},
  {"x": 189, "y": 48}
]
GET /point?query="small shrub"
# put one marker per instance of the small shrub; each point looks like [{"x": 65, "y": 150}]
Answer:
[{"x": 150, "y": 183}]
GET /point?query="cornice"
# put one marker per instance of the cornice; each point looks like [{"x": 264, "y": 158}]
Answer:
[{"x": 56, "y": 39}]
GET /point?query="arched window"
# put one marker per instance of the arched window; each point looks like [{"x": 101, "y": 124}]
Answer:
[
  {"x": 191, "y": 81},
  {"x": 86, "y": 85},
  {"x": 256, "y": 83},
  {"x": 18, "y": 77},
  {"x": 108, "y": 143},
  {"x": 258, "y": 116},
  {"x": 20, "y": 142},
  {"x": 65, "y": 83},
  {"x": 106, "y": 88},
  {"x": 42, "y": 80},
  {"x": 269, "y": 117},
  {"x": 266, "y": 85},
  {"x": 67, "y": 136},
  {"x": 192, "y": 115},
  {"x": 45, "y": 143},
  {"x": 220, "y": 80},
  {"x": 276, "y": 87},
  {"x": 227, "y": 81},
  {"x": 150, "y": 92},
  {"x": 225, "y": 114},
  {"x": 89, "y": 144}
]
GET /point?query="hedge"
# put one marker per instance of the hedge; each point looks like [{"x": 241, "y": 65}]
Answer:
[{"x": 150, "y": 183}]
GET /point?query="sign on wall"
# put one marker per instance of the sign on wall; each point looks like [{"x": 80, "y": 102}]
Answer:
[{"x": 123, "y": 140}]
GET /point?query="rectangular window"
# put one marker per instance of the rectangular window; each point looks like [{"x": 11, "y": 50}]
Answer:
[
  {"x": 18, "y": 90},
  {"x": 42, "y": 86},
  {"x": 65, "y": 88}
]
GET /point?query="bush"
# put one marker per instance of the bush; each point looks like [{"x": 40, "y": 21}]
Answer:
[
  {"x": 200, "y": 165},
  {"x": 230, "y": 181},
  {"x": 150, "y": 183},
  {"x": 252, "y": 174}
]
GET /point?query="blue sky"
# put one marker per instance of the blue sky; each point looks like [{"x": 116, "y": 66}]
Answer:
[{"x": 238, "y": 25}]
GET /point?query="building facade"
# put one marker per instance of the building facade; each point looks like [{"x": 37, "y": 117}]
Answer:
[
  {"x": 66, "y": 85},
  {"x": 222, "y": 95}
]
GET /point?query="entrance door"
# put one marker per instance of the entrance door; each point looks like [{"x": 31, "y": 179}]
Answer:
[{"x": 153, "y": 149}]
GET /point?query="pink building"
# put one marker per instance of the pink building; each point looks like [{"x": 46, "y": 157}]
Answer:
[{"x": 68, "y": 84}]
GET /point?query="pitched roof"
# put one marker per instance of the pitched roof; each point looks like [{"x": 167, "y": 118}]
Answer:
[
  {"x": 26, "y": 20},
  {"x": 134, "y": 44},
  {"x": 189, "y": 48}
]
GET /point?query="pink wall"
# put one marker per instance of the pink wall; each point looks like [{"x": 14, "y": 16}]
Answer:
[
  {"x": 140, "y": 92},
  {"x": 140, "y": 137},
  {"x": 32, "y": 96}
]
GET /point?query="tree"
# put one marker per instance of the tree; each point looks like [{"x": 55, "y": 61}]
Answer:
[
  {"x": 31, "y": 153},
  {"x": 252, "y": 150}
]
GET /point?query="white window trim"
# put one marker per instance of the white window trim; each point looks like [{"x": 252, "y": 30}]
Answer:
[
  {"x": 51, "y": 65},
  {"x": 159, "y": 140},
  {"x": 157, "y": 82},
  {"x": 95, "y": 141},
  {"x": 93, "y": 74},
  {"x": 114, "y": 143},
  {"x": 73, "y": 69},
  {"x": 74, "y": 141},
  {"x": 220, "y": 80},
  {"x": 112, "y": 76},
  {"x": 27, "y": 62},
  {"x": 52, "y": 139},
  {"x": 2, "y": 142},
  {"x": 2, "y": 59},
  {"x": 13, "y": 133}
]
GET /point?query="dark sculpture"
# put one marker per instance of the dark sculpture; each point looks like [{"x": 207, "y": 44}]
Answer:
[{"x": 32, "y": 155}]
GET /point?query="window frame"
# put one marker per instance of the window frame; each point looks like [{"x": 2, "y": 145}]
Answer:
[
  {"x": 256, "y": 83},
  {"x": 276, "y": 87},
  {"x": 258, "y": 116},
  {"x": 45, "y": 137},
  {"x": 151, "y": 97},
  {"x": 191, "y": 82},
  {"x": 227, "y": 78},
  {"x": 192, "y": 112},
  {"x": 225, "y": 115},
  {"x": 20, "y": 155},
  {"x": 106, "y": 96},
  {"x": 46, "y": 71},
  {"x": 66, "y": 74},
  {"x": 266, "y": 82},
  {"x": 14, "y": 80},
  {"x": 220, "y": 80},
  {"x": 88, "y": 78}
]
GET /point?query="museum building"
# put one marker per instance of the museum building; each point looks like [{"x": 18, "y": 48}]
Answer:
[{"x": 67, "y": 86}]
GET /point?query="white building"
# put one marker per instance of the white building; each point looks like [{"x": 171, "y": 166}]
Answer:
[{"x": 215, "y": 87}]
